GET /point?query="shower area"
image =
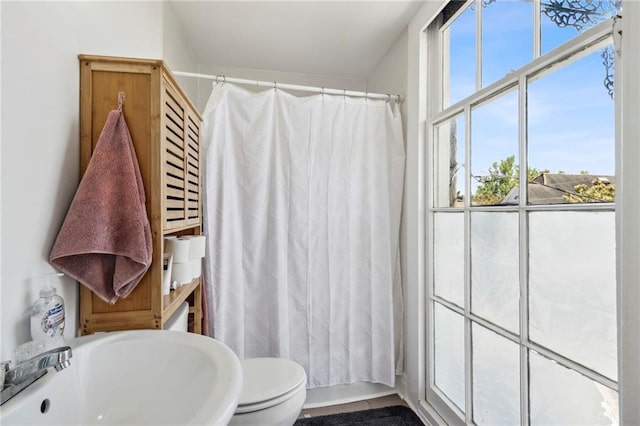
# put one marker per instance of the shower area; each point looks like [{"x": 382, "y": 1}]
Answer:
[
  {"x": 302, "y": 204},
  {"x": 303, "y": 185}
]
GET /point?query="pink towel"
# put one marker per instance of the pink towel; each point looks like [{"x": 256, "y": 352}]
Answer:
[{"x": 105, "y": 240}]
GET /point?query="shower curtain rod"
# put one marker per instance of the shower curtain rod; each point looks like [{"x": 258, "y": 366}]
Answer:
[{"x": 276, "y": 85}]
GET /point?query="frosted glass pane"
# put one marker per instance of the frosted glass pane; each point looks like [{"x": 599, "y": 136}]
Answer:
[
  {"x": 560, "y": 396},
  {"x": 448, "y": 256},
  {"x": 495, "y": 289},
  {"x": 496, "y": 379},
  {"x": 448, "y": 163},
  {"x": 572, "y": 286},
  {"x": 449, "y": 354}
]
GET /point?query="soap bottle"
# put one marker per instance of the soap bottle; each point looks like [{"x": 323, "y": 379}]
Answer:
[{"x": 47, "y": 315}]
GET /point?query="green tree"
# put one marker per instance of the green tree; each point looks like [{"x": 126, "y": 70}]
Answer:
[
  {"x": 600, "y": 191},
  {"x": 503, "y": 176}
]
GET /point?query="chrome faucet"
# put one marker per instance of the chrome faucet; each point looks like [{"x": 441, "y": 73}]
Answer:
[{"x": 20, "y": 376}]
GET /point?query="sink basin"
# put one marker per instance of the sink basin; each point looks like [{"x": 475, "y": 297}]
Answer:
[{"x": 145, "y": 377}]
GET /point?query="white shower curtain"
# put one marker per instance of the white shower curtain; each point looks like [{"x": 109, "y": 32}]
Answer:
[{"x": 302, "y": 211}]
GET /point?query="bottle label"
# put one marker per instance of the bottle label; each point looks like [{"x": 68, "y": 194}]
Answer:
[{"x": 53, "y": 321}]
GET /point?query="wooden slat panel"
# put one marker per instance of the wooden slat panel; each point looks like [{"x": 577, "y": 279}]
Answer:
[
  {"x": 170, "y": 169},
  {"x": 192, "y": 134},
  {"x": 174, "y": 203},
  {"x": 193, "y": 126},
  {"x": 170, "y": 180},
  {"x": 170, "y": 159},
  {"x": 171, "y": 100},
  {"x": 177, "y": 131},
  {"x": 175, "y": 162},
  {"x": 193, "y": 157},
  {"x": 172, "y": 192},
  {"x": 175, "y": 214},
  {"x": 193, "y": 144},
  {"x": 192, "y": 168},
  {"x": 173, "y": 116},
  {"x": 174, "y": 147}
]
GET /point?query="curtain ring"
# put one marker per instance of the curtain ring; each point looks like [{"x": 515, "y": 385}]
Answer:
[
  {"x": 217, "y": 77},
  {"x": 323, "y": 92},
  {"x": 224, "y": 79},
  {"x": 344, "y": 94},
  {"x": 388, "y": 98},
  {"x": 366, "y": 97},
  {"x": 275, "y": 85}
]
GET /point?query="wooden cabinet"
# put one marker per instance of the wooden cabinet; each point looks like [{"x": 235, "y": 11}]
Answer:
[{"x": 165, "y": 129}]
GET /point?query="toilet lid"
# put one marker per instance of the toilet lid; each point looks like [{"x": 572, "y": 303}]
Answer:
[{"x": 269, "y": 378}]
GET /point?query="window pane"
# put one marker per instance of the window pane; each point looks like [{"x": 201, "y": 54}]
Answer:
[
  {"x": 494, "y": 150},
  {"x": 448, "y": 167},
  {"x": 572, "y": 286},
  {"x": 562, "y": 20},
  {"x": 495, "y": 289},
  {"x": 448, "y": 256},
  {"x": 496, "y": 379},
  {"x": 560, "y": 396},
  {"x": 449, "y": 354},
  {"x": 571, "y": 131},
  {"x": 459, "y": 64},
  {"x": 507, "y": 38}
]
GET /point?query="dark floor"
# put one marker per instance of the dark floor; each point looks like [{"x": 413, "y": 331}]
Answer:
[{"x": 385, "y": 401}]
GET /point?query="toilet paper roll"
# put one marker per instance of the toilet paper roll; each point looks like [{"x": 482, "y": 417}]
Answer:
[
  {"x": 198, "y": 244},
  {"x": 196, "y": 267},
  {"x": 179, "y": 248},
  {"x": 181, "y": 273}
]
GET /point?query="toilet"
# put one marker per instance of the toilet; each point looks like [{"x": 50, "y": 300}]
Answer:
[{"x": 273, "y": 393}]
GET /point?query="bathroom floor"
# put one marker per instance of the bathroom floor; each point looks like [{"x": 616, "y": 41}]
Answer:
[{"x": 385, "y": 401}]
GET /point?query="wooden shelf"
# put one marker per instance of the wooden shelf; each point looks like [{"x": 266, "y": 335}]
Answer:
[
  {"x": 175, "y": 298},
  {"x": 165, "y": 131}
]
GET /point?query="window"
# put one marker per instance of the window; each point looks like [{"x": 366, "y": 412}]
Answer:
[{"x": 521, "y": 252}]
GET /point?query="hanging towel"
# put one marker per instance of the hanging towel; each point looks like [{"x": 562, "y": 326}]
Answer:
[{"x": 105, "y": 240}]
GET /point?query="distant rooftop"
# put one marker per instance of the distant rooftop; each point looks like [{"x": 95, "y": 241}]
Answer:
[{"x": 551, "y": 188}]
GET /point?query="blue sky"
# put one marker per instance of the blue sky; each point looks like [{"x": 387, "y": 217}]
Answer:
[{"x": 570, "y": 113}]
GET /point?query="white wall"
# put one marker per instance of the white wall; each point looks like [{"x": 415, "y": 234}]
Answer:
[
  {"x": 328, "y": 81},
  {"x": 40, "y": 134},
  {"x": 177, "y": 53},
  {"x": 390, "y": 74}
]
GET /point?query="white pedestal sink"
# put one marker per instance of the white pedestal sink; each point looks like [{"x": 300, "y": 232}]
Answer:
[{"x": 144, "y": 377}]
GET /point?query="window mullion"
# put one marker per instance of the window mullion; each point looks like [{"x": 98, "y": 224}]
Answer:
[
  {"x": 572, "y": 365},
  {"x": 523, "y": 244},
  {"x": 537, "y": 29},
  {"x": 467, "y": 271},
  {"x": 478, "y": 45}
]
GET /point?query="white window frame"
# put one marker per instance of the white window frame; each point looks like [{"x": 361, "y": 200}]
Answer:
[{"x": 590, "y": 39}]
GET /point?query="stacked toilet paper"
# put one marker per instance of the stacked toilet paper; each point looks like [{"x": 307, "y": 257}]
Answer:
[{"x": 187, "y": 252}]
